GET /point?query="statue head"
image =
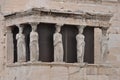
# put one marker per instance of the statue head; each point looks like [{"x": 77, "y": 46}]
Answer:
[
  {"x": 20, "y": 28},
  {"x": 58, "y": 27},
  {"x": 34, "y": 28},
  {"x": 104, "y": 30},
  {"x": 81, "y": 28}
]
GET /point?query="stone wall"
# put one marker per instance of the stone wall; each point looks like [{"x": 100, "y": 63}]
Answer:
[
  {"x": 2, "y": 44},
  {"x": 52, "y": 71},
  {"x": 114, "y": 31},
  {"x": 60, "y": 71}
]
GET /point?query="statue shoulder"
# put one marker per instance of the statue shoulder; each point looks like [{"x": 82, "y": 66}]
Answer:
[
  {"x": 57, "y": 34},
  {"x": 17, "y": 35},
  {"x": 33, "y": 34}
]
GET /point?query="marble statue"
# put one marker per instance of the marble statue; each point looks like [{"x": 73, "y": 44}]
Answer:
[
  {"x": 21, "y": 49},
  {"x": 104, "y": 45},
  {"x": 58, "y": 45},
  {"x": 80, "y": 45},
  {"x": 34, "y": 47}
]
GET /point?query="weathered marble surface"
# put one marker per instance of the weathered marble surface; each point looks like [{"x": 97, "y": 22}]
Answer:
[
  {"x": 80, "y": 44},
  {"x": 34, "y": 48},
  {"x": 40, "y": 72},
  {"x": 104, "y": 45},
  {"x": 58, "y": 45},
  {"x": 21, "y": 49}
]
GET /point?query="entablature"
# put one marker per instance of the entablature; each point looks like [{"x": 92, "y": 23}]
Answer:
[{"x": 55, "y": 16}]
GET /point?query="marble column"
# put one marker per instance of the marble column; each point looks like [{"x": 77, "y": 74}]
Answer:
[
  {"x": 80, "y": 44},
  {"x": 104, "y": 44},
  {"x": 21, "y": 49},
  {"x": 10, "y": 46},
  {"x": 34, "y": 47},
  {"x": 97, "y": 45},
  {"x": 58, "y": 44}
]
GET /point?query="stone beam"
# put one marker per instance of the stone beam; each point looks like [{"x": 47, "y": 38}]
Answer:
[{"x": 54, "y": 16}]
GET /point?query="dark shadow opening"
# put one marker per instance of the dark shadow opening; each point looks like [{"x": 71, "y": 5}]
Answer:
[
  {"x": 26, "y": 31},
  {"x": 15, "y": 30},
  {"x": 46, "y": 48},
  {"x": 69, "y": 33},
  {"x": 89, "y": 45}
]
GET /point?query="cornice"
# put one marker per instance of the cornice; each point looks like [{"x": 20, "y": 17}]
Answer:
[{"x": 56, "y": 14}]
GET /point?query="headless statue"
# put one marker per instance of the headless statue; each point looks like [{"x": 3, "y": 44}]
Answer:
[
  {"x": 80, "y": 45},
  {"x": 58, "y": 45},
  {"x": 34, "y": 49},
  {"x": 21, "y": 49}
]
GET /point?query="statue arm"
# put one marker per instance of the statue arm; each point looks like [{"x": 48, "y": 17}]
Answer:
[
  {"x": 57, "y": 40},
  {"x": 17, "y": 36},
  {"x": 54, "y": 39}
]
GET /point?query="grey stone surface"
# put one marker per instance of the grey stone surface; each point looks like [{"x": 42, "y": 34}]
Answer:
[
  {"x": 80, "y": 44},
  {"x": 58, "y": 44},
  {"x": 58, "y": 71},
  {"x": 104, "y": 45},
  {"x": 34, "y": 48},
  {"x": 21, "y": 49}
]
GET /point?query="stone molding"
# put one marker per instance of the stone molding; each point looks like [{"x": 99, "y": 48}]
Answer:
[
  {"x": 81, "y": 65},
  {"x": 56, "y": 16}
]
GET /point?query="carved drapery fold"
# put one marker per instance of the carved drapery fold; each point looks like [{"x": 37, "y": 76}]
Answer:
[
  {"x": 58, "y": 44},
  {"x": 80, "y": 44},
  {"x": 21, "y": 49},
  {"x": 104, "y": 44},
  {"x": 34, "y": 47}
]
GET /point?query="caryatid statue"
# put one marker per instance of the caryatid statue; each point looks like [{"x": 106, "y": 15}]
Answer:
[
  {"x": 80, "y": 44},
  {"x": 21, "y": 49},
  {"x": 104, "y": 45},
  {"x": 58, "y": 44},
  {"x": 34, "y": 47}
]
